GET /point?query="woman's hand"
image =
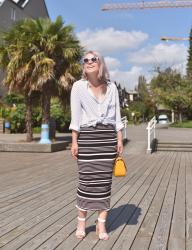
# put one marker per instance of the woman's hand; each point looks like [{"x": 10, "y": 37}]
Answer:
[
  {"x": 119, "y": 147},
  {"x": 74, "y": 150}
]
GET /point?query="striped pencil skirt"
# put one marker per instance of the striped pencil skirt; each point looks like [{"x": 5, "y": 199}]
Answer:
[{"x": 96, "y": 156}]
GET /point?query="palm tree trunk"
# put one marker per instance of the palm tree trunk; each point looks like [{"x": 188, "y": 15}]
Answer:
[
  {"x": 46, "y": 103},
  {"x": 28, "y": 118},
  {"x": 180, "y": 116}
]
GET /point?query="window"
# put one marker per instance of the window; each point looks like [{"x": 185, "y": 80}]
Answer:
[{"x": 13, "y": 14}]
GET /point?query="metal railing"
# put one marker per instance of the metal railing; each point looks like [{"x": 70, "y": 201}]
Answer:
[
  {"x": 150, "y": 129},
  {"x": 125, "y": 122}
]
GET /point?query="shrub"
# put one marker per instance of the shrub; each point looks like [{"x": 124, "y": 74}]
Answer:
[
  {"x": 61, "y": 115},
  {"x": 17, "y": 119}
]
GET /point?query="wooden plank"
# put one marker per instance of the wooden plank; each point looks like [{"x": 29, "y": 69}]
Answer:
[
  {"x": 36, "y": 188},
  {"x": 58, "y": 220},
  {"x": 30, "y": 212},
  {"x": 52, "y": 241},
  {"x": 177, "y": 234},
  {"x": 33, "y": 175},
  {"x": 36, "y": 217},
  {"x": 125, "y": 234},
  {"x": 117, "y": 214},
  {"x": 28, "y": 178},
  {"x": 32, "y": 161},
  {"x": 25, "y": 218},
  {"x": 52, "y": 225},
  {"x": 10, "y": 236},
  {"x": 23, "y": 196},
  {"x": 131, "y": 229},
  {"x": 26, "y": 174},
  {"x": 188, "y": 203},
  {"x": 60, "y": 236},
  {"x": 161, "y": 233},
  {"x": 38, "y": 197},
  {"x": 133, "y": 174},
  {"x": 145, "y": 233}
]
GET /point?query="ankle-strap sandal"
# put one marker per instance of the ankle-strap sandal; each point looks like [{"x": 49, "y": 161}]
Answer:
[
  {"x": 80, "y": 234},
  {"x": 101, "y": 235}
]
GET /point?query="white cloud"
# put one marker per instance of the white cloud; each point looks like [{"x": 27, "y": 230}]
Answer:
[
  {"x": 112, "y": 63},
  {"x": 160, "y": 54},
  {"x": 129, "y": 79},
  {"x": 142, "y": 62},
  {"x": 181, "y": 67},
  {"x": 111, "y": 40}
]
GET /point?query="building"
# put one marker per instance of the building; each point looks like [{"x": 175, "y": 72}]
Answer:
[
  {"x": 15, "y": 10},
  {"x": 132, "y": 95},
  {"x": 126, "y": 97},
  {"x": 12, "y": 11}
]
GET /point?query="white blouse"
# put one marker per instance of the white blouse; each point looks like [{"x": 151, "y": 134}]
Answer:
[{"x": 86, "y": 110}]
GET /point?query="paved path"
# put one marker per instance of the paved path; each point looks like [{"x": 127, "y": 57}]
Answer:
[{"x": 151, "y": 208}]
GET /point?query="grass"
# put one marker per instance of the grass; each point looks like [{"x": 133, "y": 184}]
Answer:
[
  {"x": 37, "y": 130},
  {"x": 184, "y": 124}
]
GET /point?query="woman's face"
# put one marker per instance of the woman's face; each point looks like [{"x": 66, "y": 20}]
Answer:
[{"x": 91, "y": 64}]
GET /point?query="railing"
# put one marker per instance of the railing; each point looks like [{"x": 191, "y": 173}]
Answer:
[
  {"x": 124, "y": 121},
  {"x": 151, "y": 129}
]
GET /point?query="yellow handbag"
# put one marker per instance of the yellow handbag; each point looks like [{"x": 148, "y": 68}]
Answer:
[{"x": 119, "y": 168}]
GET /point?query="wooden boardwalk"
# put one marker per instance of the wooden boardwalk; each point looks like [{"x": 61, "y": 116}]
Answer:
[{"x": 151, "y": 208}]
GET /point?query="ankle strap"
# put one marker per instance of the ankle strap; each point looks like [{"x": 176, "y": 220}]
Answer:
[
  {"x": 81, "y": 218},
  {"x": 101, "y": 220}
]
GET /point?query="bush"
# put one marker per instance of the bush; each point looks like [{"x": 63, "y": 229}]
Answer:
[
  {"x": 17, "y": 119},
  {"x": 11, "y": 99},
  {"x": 14, "y": 110},
  {"x": 37, "y": 130},
  {"x": 62, "y": 116},
  {"x": 125, "y": 112}
]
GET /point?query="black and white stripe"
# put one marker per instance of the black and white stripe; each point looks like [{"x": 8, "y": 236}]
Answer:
[{"x": 97, "y": 152}]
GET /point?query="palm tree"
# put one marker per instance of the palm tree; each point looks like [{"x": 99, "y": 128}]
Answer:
[
  {"x": 13, "y": 60},
  {"x": 40, "y": 55}
]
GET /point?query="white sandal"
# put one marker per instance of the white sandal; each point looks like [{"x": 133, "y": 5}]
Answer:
[
  {"x": 80, "y": 234},
  {"x": 102, "y": 236}
]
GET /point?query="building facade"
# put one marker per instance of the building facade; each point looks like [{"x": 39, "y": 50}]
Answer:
[
  {"x": 12, "y": 11},
  {"x": 126, "y": 97}
]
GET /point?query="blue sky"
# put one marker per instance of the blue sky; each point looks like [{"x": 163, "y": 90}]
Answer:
[{"x": 129, "y": 40}]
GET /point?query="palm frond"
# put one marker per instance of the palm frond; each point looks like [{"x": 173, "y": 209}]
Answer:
[{"x": 33, "y": 52}]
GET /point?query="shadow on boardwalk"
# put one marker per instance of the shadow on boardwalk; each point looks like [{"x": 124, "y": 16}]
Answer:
[{"x": 113, "y": 221}]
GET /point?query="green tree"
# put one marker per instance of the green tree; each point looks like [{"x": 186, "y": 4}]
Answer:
[
  {"x": 171, "y": 89},
  {"x": 189, "y": 59},
  {"x": 144, "y": 104},
  {"x": 42, "y": 56}
]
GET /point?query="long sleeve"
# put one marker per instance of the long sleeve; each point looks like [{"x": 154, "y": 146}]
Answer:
[
  {"x": 76, "y": 109},
  {"x": 119, "y": 124}
]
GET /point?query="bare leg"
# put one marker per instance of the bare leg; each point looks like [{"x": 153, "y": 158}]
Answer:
[
  {"x": 102, "y": 216},
  {"x": 80, "y": 233}
]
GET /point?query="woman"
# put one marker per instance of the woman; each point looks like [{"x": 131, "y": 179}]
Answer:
[{"x": 96, "y": 139}]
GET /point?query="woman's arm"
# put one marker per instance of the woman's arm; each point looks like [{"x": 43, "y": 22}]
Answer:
[
  {"x": 119, "y": 125},
  {"x": 119, "y": 142},
  {"x": 76, "y": 108},
  {"x": 74, "y": 146},
  {"x": 76, "y": 111}
]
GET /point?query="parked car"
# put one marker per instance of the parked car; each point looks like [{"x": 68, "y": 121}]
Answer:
[{"x": 163, "y": 119}]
